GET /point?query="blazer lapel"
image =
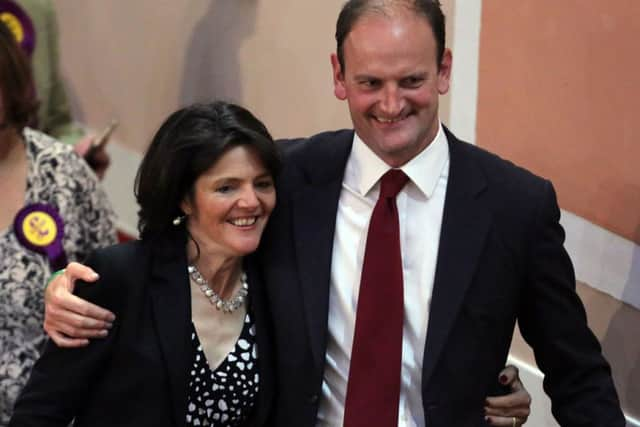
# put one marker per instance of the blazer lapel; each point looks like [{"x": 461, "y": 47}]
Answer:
[
  {"x": 171, "y": 307},
  {"x": 465, "y": 224},
  {"x": 314, "y": 219}
]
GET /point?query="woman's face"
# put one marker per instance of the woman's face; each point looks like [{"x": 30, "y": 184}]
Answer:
[{"x": 231, "y": 204}]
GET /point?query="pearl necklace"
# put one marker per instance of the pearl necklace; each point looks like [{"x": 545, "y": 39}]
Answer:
[{"x": 226, "y": 306}]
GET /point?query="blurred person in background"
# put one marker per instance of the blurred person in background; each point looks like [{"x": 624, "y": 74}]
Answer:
[
  {"x": 53, "y": 210},
  {"x": 34, "y": 24}
]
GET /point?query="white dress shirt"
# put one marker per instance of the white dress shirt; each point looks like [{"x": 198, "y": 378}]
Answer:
[{"x": 420, "y": 205}]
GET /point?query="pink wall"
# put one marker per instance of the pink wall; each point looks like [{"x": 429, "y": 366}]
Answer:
[{"x": 559, "y": 94}]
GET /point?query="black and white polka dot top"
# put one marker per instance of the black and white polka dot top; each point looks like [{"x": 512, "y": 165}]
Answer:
[{"x": 225, "y": 396}]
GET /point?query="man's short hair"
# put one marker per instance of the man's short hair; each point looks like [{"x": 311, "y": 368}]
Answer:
[{"x": 353, "y": 10}]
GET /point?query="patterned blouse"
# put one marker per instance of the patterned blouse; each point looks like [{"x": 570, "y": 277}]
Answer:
[
  {"x": 224, "y": 396},
  {"x": 58, "y": 177}
]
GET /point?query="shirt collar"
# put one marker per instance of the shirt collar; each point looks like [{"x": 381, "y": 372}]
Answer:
[{"x": 364, "y": 168}]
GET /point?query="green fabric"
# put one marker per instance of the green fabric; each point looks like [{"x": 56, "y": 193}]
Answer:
[
  {"x": 53, "y": 276},
  {"x": 54, "y": 116}
]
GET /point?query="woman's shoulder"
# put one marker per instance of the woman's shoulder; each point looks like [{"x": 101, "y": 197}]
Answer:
[
  {"x": 121, "y": 256},
  {"x": 134, "y": 258},
  {"x": 121, "y": 270}
]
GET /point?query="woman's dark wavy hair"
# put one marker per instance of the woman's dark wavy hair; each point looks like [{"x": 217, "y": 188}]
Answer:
[
  {"x": 187, "y": 144},
  {"x": 16, "y": 83}
]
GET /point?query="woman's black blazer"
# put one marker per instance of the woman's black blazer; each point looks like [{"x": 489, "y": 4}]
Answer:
[{"x": 137, "y": 375}]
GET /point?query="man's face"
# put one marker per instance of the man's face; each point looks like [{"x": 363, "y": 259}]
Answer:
[{"x": 391, "y": 82}]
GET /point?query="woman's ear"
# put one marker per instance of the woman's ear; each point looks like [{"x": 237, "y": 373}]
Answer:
[{"x": 186, "y": 206}]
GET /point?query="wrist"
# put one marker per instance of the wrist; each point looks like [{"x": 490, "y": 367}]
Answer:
[{"x": 53, "y": 276}]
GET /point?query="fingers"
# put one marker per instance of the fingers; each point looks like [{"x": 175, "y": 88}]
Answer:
[
  {"x": 59, "y": 297},
  {"x": 82, "y": 146},
  {"x": 64, "y": 307},
  {"x": 99, "y": 161},
  {"x": 63, "y": 341},
  {"x": 509, "y": 376},
  {"x": 505, "y": 421},
  {"x": 515, "y": 404},
  {"x": 63, "y": 284},
  {"x": 69, "y": 311},
  {"x": 69, "y": 329},
  {"x": 68, "y": 317},
  {"x": 75, "y": 271}
]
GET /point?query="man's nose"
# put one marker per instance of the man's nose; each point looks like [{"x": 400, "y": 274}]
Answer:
[{"x": 392, "y": 103}]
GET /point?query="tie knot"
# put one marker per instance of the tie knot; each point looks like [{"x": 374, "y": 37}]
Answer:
[{"x": 392, "y": 182}]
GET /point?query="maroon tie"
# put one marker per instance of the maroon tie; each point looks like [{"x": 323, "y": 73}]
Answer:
[{"x": 373, "y": 390}]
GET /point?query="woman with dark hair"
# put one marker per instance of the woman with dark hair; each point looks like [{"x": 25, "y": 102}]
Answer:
[
  {"x": 52, "y": 210},
  {"x": 187, "y": 337}
]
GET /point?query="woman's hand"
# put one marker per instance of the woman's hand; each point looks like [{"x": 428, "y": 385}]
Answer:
[{"x": 512, "y": 409}]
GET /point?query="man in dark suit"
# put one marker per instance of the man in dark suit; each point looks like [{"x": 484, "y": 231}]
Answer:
[{"x": 480, "y": 245}]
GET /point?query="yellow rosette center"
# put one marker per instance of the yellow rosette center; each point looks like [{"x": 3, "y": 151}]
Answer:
[
  {"x": 39, "y": 228},
  {"x": 13, "y": 23}
]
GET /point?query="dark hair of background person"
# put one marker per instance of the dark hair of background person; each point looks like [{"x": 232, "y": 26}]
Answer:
[
  {"x": 19, "y": 103},
  {"x": 187, "y": 144},
  {"x": 353, "y": 10}
]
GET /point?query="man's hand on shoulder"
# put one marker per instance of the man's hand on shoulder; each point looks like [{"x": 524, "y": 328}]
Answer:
[{"x": 70, "y": 321}]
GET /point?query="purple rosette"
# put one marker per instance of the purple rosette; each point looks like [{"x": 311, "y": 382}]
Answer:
[
  {"x": 17, "y": 20},
  {"x": 39, "y": 227}
]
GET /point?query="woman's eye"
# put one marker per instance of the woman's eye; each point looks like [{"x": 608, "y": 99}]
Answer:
[
  {"x": 264, "y": 184},
  {"x": 224, "y": 189}
]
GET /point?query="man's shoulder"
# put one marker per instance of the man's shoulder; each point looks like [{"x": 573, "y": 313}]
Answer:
[
  {"x": 495, "y": 168},
  {"x": 318, "y": 158},
  {"x": 512, "y": 193},
  {"x": 324, "y": 142}
]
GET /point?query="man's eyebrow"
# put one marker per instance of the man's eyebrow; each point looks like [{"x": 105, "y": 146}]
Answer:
[{"x": 365, "y": 77}]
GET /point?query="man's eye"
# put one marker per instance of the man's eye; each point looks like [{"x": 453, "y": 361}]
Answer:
[
  {"x": 369, "y": 84},
  {"x": 412, "y": 82}
]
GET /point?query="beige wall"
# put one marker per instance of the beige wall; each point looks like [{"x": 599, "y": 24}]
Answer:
[{"x": 139, "y": 60}]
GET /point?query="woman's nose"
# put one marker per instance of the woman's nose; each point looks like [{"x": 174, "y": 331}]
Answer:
[{"x": 248, "y": 198}]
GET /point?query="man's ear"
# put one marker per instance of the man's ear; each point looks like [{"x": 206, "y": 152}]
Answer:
[
  {"x": 339, "y": 89},
  {"x": 444, "y": 73}
]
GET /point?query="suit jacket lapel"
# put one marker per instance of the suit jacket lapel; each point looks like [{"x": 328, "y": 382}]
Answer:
[
  {"x": 465, "y": 224},
  {"x": 171, "y": 307},
  {"x": 315, "y": 206}
]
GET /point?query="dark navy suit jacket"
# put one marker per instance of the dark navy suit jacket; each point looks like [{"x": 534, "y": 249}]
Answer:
[{"x": 500, "y": 259}]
